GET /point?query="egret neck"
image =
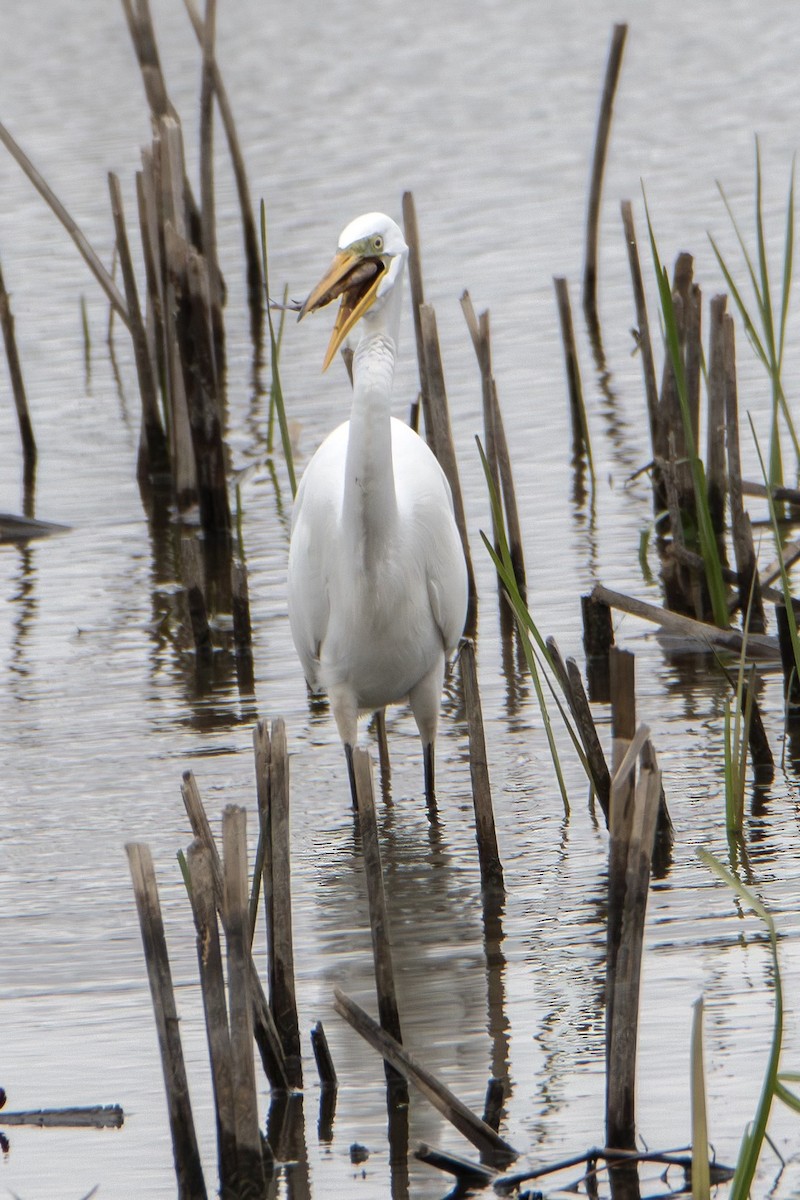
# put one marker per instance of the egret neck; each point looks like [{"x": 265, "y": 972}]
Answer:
[{"x": 370, "y": 504}]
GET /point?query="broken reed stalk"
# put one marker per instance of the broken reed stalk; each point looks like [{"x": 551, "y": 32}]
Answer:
[
  {"x": 577, "y": 407},
  {"x": 265, "y": 1032},
  {"x": 237, "y": 938},
  {"x": 634, "y": 813},
  {"x": 493, "y": 1148},
  {"x": 322, "y": 1057},
  {"x": 388, "y": 1010},
  {"x": 716, "y": 474},
  {"x": 791, "y": 681},
  {"x": 153, "y": 449},
  {"x": 212, "y": 985},
  {"x": 750, "y": 599},
  {"x": 92, "y": 1116},
  {"x": 598, "y": 638},
  {"x": 645, "y": 347},
  {"x": 437, "y": 420},
  {"x": 17, "y": 386},
  {"x": 276, "y": 877},
  {"x": 194, "y": 329},
  {"x": 613, "y": 66},
  {"x": 208, "y": 221},
  {"x": 707, "y": 635},
  {"x": 485, "y": 832},
  {"x": 497, "y": 452},
  {"x": 188, "y": 1169}
]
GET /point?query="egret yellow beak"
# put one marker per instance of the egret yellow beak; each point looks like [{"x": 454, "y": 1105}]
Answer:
[{"x": 356, "y": 280}]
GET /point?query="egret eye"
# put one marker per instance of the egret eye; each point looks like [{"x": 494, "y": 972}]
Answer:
[{"x": 377, "y": 242}]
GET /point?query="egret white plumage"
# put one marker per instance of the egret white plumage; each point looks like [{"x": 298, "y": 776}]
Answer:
[{"x": 377, "y": 584}]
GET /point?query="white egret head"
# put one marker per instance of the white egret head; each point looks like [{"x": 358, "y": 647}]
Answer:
[{"x": 370, "y": 260}]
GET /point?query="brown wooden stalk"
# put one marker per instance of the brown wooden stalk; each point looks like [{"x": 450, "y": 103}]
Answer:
[
  {"x": 716, "y": 474},
  {"x": 444, "y": 447},
  {"x": 411, "y": 231},
  {"x": 252, "y": 245},
  {"x": 189, "y": 281},
  {"x": 266, "y": 1035},
  {"x": 758, "y": 645},
  {"x": 208, "y": 219},
  {"x": 485, "y": 832},
  {"x": 322, "y": 1056},
  {"x": 492, "y": 1147},
  {"x": 497, "y": 451},
  {"x": 645, "y": 347},
  {"x": 237, "y": 938},
  {"x": 613, "y": 66},
  {"x": 577, "y": 407},
  {"x": 750, "y": 598},
  {"x": 278, "y": 901},
  {"x": 172, "y": 216},
  {"x": 388, "y": 1010},
  {"x": 153, "y": 450},
  {"x": 18, "y": 387},
  {"x": 634, "y": 814},
  {"x": 598, "y": 638},
  {"x": 212, "y": 985},
  {"x": 188, "y": 1169}
]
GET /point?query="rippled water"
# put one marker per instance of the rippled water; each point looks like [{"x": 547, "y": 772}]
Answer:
[{"x": 488, "y": 116}]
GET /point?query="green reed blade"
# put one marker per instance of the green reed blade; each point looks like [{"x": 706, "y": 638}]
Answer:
[
  {"x": 754, "y": 1135},
  {"x": 277, "y": 390},
  {"x": 701, "y": 1174}
]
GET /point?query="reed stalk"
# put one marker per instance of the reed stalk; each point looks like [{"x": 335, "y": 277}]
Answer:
[{"x": 705, "y": 526}]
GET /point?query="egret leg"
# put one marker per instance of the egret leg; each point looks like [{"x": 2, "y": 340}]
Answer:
[
  {"x": 351, "y": 773},
  {"x": 427, "y": 765}
]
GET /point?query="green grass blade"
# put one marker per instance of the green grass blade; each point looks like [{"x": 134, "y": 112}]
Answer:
[
  {"x": 277, "y": 391},
  {"x": 701, "y": 1175},
  {"x": 749, "y": 327},
  {"x": 751, "y": 270},
  {"x": 754, "y": 1135},
  {"x": 788, "y": 265}
]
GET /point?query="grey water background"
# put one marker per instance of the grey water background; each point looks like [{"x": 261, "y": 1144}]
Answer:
[{"x": 488, "y": 115}]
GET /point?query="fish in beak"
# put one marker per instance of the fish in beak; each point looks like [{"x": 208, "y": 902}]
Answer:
[{"x": 354, "y": 278}]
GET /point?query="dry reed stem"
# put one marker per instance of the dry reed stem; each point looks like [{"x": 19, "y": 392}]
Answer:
[
  {"x": 251, "y": 240},
  {"x": 237, "y": 938},
  {"x": 443, "y": 443},
  {"x": 154, "y": 455},
  {"x": 378, "y": 915},
  {"x": 494, "y": 1149},
  {"x": 758, "y": 645},
  {"x": 265, "y": 1032},
  {"x": 85, "y": 250},
  {"x": 17, "y": 385},
  {"x": 613, "y": 66},
  {"x": 486, "y": 834},
  {"x": 633, "y": 826},
  {"x": 212, "y": 985},
  {"x": 411, "y": 231},
  {"x": 278, "y": 901},
  {"x": 577, "y": 407},
  {"x": 644, "y": 344},
  {"x": 188, "y": 1168},
  {"x": 716, "y": 474}
]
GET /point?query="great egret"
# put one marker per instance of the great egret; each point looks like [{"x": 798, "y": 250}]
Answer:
[{"x": 377, "y": 583}]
